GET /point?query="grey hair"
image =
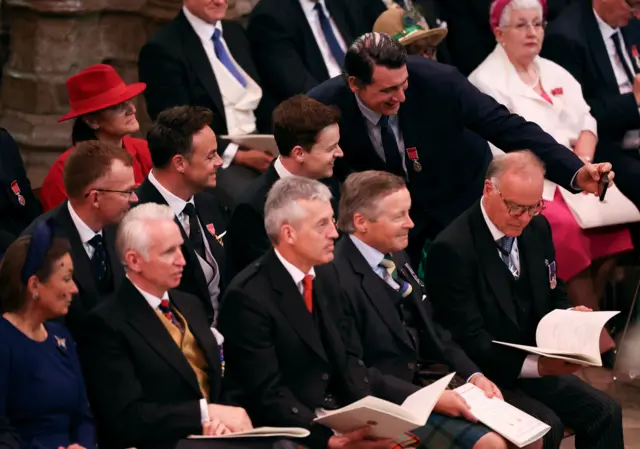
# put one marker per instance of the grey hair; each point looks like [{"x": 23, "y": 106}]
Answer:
[
  {"x": 282, "y": 202},
  {"x": 516, "y": 5},
  {"x": 524, "y": 164},
  {"x": 132, "y": 232}
]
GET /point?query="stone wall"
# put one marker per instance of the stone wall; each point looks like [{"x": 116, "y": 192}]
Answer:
[{"x": 53, "y": 39}]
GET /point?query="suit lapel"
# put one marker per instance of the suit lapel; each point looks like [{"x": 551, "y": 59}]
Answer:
[
  {"x": 338, "y": 14},
  {"x": 493, "y": 266},
  {"x": 82, "y": 267},
  {"x": 531, "y": 257},
  {"x": 597, "y": 46},
  {"x": 196, "y": 55},
  {"x": 210, "y": 231},
  {"x": 146, "y": 322},
  {"x": 372, "y": 287},
  {"x": 114, "y": 261},
  {"x": 206, "y": 341},
  {"x": 292, "y": 304},
  {"x": 632, "y": 49}
]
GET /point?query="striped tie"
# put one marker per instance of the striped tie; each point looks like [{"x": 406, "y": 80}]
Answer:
[
  {"x": 165, "y": 308},
  {"x": 387, "y": 263},
  {"x": 505, "y": 244}
]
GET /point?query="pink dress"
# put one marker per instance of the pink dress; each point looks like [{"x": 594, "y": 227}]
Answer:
[{"x": 577, "y": 248}]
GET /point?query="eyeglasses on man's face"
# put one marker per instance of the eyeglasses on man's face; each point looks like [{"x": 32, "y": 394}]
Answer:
[
  {"x": 127, "y": 193},
  {"x": 517, "y": 210}
]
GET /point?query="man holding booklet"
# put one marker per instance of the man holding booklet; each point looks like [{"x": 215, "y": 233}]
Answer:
[{"x": 491, "y": 276}]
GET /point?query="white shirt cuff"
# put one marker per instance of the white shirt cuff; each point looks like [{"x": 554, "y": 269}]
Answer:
[
  {"x": 530, "y": 367},
  {"x": 229, "y": 154},
  {"x": 473, "y": 375},
  {"x": 204, "y": 411},
  {"x": 573, "y": 183}
]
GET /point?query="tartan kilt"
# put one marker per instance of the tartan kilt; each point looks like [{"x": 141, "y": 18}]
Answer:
[{"x": 442, "y": 432}]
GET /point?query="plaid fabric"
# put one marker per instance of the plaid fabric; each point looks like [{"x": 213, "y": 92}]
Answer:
[{"x": 442, "y": 432}]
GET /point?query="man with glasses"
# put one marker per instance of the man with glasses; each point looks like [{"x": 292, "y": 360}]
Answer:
[
  {"x": 99, "y": 181},
  {"x": 492, "y": 275}
]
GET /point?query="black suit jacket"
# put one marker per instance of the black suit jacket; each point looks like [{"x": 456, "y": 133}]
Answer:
[
  {"x": 88, "y": 296},
  {"x": 142, "y": 389},
  {"x": 209, "y": 212},
  {"x": 574, "y": 41},
  {"x": 472, "y": 297},
  {"x": 385, "y": 342},
  {"x": 284, "y": 47},
  {"x": 277, "y": 356},
  {"x": 246, "y": 236},
  {"x": 15, "y": 216},
  {"x": 177, "y": 72},
  {"x": 440, "y": 104}
]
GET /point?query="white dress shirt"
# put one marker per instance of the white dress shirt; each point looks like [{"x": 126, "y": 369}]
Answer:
[
  {"x": 296, "y": 274},
  {"x": 84, "y": 231},
  {"x": 211, "y": 276},
  {"x": 280, "y": 170},
  {"x": 239, "y": 102},
  {"x": 375, "y": 133},
  {"x": 333, "y": 66},
  {"x": 530, "y": 365}
]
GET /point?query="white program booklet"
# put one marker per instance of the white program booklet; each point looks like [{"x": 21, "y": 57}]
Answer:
[
  {"x": 569, "y": 335},
  {"x": 264, "y": 142},
  {"x": 260, "y": 432},
  {"x": 386, "y": 419},
  {"x": 512, "y": 423}
]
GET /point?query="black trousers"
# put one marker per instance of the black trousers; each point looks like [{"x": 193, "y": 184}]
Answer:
[{"x": 567, "y": 401}]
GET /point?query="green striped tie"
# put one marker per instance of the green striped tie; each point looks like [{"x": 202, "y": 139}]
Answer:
[{"x": 389, "y": 265}]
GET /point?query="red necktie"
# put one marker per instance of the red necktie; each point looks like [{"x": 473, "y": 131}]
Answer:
[{"x": 307, "y": 288}]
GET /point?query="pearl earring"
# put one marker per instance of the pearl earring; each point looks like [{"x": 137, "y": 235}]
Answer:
[{"x": 36, "y": 296}]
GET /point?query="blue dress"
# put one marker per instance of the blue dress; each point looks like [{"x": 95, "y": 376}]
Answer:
[{"x": 42, "y": 394}]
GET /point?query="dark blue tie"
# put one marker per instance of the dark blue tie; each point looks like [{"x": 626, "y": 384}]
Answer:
[
  {"x": 329, "y": 35},
  {"x": 99, "y": 265},
  {"x": 618, "y": 45},
  {"x": 225, "y": 59},
  {"x": 390, "y": 147}
]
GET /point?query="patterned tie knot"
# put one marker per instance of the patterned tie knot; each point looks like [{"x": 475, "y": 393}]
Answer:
[
  {"x": 96, "y": 241},
  {"x": 216, "y": 34},
  {"x": 164, "y": 306},
  {"x": 388, "y": 264},
  {"x": 506, "y": 244}
]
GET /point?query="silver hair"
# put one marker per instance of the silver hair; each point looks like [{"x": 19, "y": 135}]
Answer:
[
  {"x": 521, "y": 163},
  {"x": 516, "y": 5},
  {"x": 282, "y": 202},
  {"x": 132, "y": 232}
]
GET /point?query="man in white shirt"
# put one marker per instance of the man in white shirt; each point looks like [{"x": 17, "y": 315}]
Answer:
[
  {"x": 199, "y": 59},
  {"x": 153, "y": 367},
  {"x": 99, "y": 181},
  {"x": 598, "y": 42},
  {"x": 185, "y": 163},
  {"x": 492, "y": 275}
]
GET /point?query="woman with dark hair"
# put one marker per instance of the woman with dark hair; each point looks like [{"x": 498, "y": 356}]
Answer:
[
  {"x": 101, "y": 104},
  {"x": 43, "y": 403}
]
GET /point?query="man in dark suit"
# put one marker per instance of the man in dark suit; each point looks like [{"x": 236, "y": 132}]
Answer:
[
  {"x": 307, "y": 135},
  {"x": 408, "y": 116},
  {"x": 597, "y": 42},
  {"x": 18, "y": 205},
  {"x": 152, "y": 365},
  {"x": 491, "y": 275},
  {"x": 185, "y": 160},
  {"x": 298, "y": 44},
  {"x": 199, "y": 59},
  {"x": 99, "y": 181}
]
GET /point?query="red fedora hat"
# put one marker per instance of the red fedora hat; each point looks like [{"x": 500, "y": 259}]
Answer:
[{"x": 98, "y": 87}]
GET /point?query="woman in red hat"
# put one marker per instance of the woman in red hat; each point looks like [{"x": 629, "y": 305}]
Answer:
[{"x": 102, "y": 108}]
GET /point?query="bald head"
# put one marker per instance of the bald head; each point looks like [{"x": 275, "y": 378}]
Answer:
[{"x": 523, "y": 165}]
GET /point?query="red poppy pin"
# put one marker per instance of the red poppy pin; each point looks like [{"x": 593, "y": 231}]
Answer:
[
  {"x": 211, "y": 229},
  {"x": 557, "y": 91}
]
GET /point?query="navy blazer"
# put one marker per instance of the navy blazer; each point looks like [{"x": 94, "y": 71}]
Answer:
[
  {"x": 574, "y": 41},
  {"x": 440, "y": 104}
]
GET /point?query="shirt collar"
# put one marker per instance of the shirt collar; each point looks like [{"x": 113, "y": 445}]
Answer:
[
  {"x": 203, "y": 29},
  {"x": 496, "y": 233},
  {"x": 309, "y": 5},
  {"x": 370, "y": 254},
  {"x": 294, "y": 271},
  {"x": 84, "y": 231},
  {"x": 369, "y": 114},
  {"x": 281, "y": 170},
  {"x": 176, "y": 204},
  {"x": 153, "y": 300},
  {"x": 605, "y": 29}
]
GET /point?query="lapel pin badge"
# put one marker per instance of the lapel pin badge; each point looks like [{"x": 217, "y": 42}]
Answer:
[
  {"x": 17, "y": 192},
  {"x": 553, "y": 277},
  {"x": 412, "y": 153}
]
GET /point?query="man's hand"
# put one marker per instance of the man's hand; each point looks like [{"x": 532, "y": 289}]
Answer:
[
  {"x": 548, "y": 366},
  {"x": 452, "y": 404},
  {"x": 588, "y": 176},
  {"x": 72, "y": 446},
  {"x": 234, "y": 418},
  {"x": 582, "y": 309},
  {"x": 256, "y": 159},
  {"x": 490, "y": 389},
  {"x": 359, "y": 439},
  {"x": 214, "y": 427}
]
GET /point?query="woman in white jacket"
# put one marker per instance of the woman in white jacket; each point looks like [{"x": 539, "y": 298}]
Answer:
[{"x": 544, "y": 93}]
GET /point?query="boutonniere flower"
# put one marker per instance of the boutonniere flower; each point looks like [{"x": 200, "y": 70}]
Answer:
[
  {"x": 557, "y": 91},
  {"x": 61, "y": 342}
]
